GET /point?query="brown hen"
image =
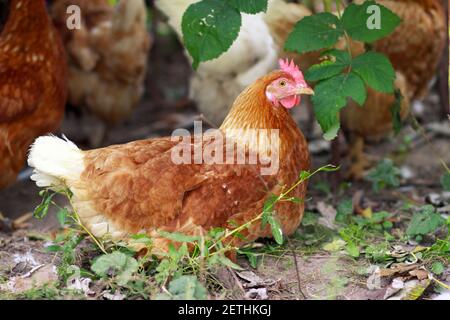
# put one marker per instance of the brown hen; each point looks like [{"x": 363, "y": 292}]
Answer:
[
  {"x": 32, "y": 83},
  {"x": 137, "y": 187}
]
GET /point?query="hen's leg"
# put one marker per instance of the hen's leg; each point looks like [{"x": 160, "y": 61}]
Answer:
[
  {"x": 5, "y": 224},
  {"x": 359, "y": 161},
  {"x": 336, "y": 177},
  {"x": 8, "y": 225}
]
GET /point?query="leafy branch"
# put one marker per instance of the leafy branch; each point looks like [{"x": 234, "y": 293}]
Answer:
[
  {"x": 341, "y": 76},
  {"x": 267, "y": 216},
  {"x": 63, "y": 214}
]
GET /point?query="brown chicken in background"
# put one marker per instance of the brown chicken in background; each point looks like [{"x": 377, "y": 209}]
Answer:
[
  {"x": 107, "y": 56},
  {"x": 371, "y": 122},
  {"x": 137, "y": 187},
  {"x": 415, "y": 49},
  {"x": 416, "y": 46},
  {"x": 32, "y": 83}
]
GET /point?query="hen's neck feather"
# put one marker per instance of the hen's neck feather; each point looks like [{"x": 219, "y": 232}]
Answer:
[{"x": 252, "y": 110}]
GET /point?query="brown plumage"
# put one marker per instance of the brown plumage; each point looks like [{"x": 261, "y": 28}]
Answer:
[
  {"x": 32, "y": 83},
  {"x": 376, "y": 112},
  {"x": 136, "y": 187}
]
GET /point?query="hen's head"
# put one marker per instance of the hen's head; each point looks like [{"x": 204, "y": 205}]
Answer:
[
  {"x": 264, "y": 103},
  {"x": 288, "y": 86}
]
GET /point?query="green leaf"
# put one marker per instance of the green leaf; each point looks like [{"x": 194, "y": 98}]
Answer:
[
  {"x": 387, "y": 225},
  {"x": 314, "y": 32},
  {"x": 209, "y": 29},
  {"x": 344, "y": 211},
  {"x": 179, "y": 237},
  {"x": 352, "y": 249},
  {"x": 437, "y": 268},
  {"x": 53, "y": 248},
  {"x": 61, "y": 216},
  {"x": 424, "y": 222},
  {"x": 141, "y": 238},
  {"x": 323, "y": 186},
  {"x": 385, "y": 174},
  {"x": 378, "y": 252},
  {"x": 249, "y": 6},
  {"x": 295, "y": 200},
  {"x": 116, "y": 263},
  {"x": 357, "y": 21},
  {"x": 228, "y": 263},
  {"x": 328, "y": 168},
  {"x": 277, "y": 232},
  {"x": 304, "y": 175},
  {"x": 379, "y": 217},
  {"x": 42, "y": 210},
  {"x": 335, "y": 245},
  {"x": 331, "y": 96},
  {"x": 445, "y": 181},
  {"x": 328, "y": 68},
  {"x": 324, "y": 70},
  {"x": 268, "y": 209},
  {"x": 376, "y": 70},
  {"x": 309, "y": 219},
  {"x": 253, "y": 259},
  {"x": 185, "y": 288}
]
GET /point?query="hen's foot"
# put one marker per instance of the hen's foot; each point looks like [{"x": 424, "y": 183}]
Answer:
[
  {"x": 8, "y": 225},
  {"x": 359, "y": 161},
  {"x": 5, "y": 224}
]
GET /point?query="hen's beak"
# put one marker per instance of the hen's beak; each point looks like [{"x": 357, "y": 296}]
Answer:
[{"x": 305, "y": 90}]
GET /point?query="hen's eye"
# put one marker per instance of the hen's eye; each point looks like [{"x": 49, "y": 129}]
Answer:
[{"x": 282, "y": 83}]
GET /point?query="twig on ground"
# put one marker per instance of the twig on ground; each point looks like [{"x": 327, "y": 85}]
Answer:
[
  {"x": 294, "y": 255},
  {"x": 239, "y": 284}
]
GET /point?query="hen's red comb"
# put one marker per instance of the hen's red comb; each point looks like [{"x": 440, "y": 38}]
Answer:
[{"x": 292, "y": 69}]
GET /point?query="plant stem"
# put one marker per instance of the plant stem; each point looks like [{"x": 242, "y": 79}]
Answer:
[
  {"x": 346, "y": 36},
  {"x": 78, "y": 221},
  {"x": 441, "y": 283},
  {"x": 279, "y": 198},
  {"x": 327, "y": 5}
]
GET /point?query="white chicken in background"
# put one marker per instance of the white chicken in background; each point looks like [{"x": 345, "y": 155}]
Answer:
[{"x": 216, "y": 83}]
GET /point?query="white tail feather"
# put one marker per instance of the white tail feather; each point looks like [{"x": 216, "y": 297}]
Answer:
[{"x": 55, "y": 161}]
